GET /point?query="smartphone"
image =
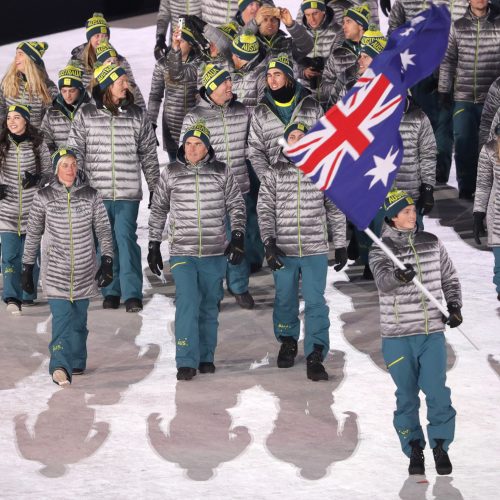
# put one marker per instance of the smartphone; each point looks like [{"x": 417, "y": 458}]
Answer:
[{"x": 180, "y": 23}]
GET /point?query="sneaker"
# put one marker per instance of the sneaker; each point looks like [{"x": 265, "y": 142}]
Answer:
[
  {"x": 367, "y": 273},
  {"x": 28, "y": 303},
  {"x": 60, "y": 377},
  {"x": 288, "y": 351},
  {"x": 465, "y": 195},
  {"x": 353, "y": 249},
  {"x": 498, "y": 296},
  {"x": 255, "y": 267},
  {"x": 244, "y": 300},
  {"x": 443, "y": 464},
  {"x": 13, "y": 307},
  {"x": 185, "y": 373},
  {"x": 315, "y": 369},
  {"x": 206, "y": 367},
  {"x": 111, "y": 302},
  {"x": 133, "y": 305},
  {"x": 417, "y": 459},
  {"x": 77, "y": 371}
]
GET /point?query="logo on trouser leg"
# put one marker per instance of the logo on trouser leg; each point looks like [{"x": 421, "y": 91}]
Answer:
[
  {"x": 183, "y": 342},
  {"x": 57, "y": 347},
  {"x": 9, "y": 270},
  {"x": 405, "y": 433}
]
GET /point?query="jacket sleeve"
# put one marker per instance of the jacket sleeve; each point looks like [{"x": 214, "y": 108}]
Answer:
[
  {"x": 257, "y": 151},
  {"x": 160, "y": 207},
  {"x": 76, "y": 139},
  {"x": 179, "y": 71},
  {"x": 164, "y": 17},
  {"x": 427, "y": 151},
  {"x": 48, "y": 136},
  {"x": 490, "y": 107},
  {"x": 448, "y": 67},
  {"x": 102, "y": 228},
  {"x": 449, "y": 278},
  {"x": 146, "y": 151},
  {"x": 484, "y": 181},
  {"x": 302, "y": 41},
  {"x": 157, "y": 91},
  {"x": 336, "y": 222},
  {"x": 397, "y": 17},
  {"x": 266, "y": 205},
  {"x": 46, "y": 164},
  {"x": 35, "y": 230},
  {"x": 3, "y": 106},
  {"x": 235, "y": 204},
  {"x": 383, "y": 270},
  {"x": 494, "y": 123},
  {"x": 134, "y": 88}
]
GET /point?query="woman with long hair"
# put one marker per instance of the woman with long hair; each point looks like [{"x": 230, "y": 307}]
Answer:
[
  {"x": 26, "y": 82},
  {"x": 24, "y": 166}
]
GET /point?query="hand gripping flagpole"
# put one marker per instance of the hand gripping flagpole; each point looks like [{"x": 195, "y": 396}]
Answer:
[{"x": 415, "y": 281}]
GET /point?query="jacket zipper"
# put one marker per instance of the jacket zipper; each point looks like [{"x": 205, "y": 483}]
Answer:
[
  {"x": 475, "y": 60},
  {"x": 422, "y": 298},
  {"x": 298, "y": 212},
  {"x": 113, "y": 157},
  {"x": 198, "y": 210},
  {"x": 226, "y": 140},
  {"x": 20, "y": 187},
  {"x": 71, "y": 250}
]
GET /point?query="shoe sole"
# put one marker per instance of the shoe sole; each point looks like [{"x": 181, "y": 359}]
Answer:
[
  {"x": 287, "y": 364},
  {"x": 416, "y": 471},
  {"x": 444, "y": 472},
  {"x": 14, "y": 310},
  {"x": 318, "y": 378},
  {"x": 134, "y": 309}
]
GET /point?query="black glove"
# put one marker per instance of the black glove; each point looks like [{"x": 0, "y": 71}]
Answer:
[
  {"x": 160, "y": 49},
  {"x": 235, "y": 251},
  {"x": 30, "y": 180},
  {"x": 385, "y": 5},
  {"x": 455, "y": 319},
  {"x": 426, "y": 201},
  {"x": 104, "y": 275},
  {"x": 340, "y": 258},
  {"x": 3, "y": 191},
  {"x": 445, "y": 100},
  {"x": 150, "y": 199},
  {"x": 27, "y": 279},
  {"x": 155, "y": 260},
  {"x": 273, "y": 253},
  {"x": 406, "y": 275},
  {"x": 478, "y": 226}
]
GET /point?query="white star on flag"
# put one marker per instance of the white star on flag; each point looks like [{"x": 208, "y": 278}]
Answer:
[
  {"x": 417, "y": 20},
  {"x": 407, "y": 59},
  {"x": 407, "y": 32},
  {"x": 383, "y": 168}
]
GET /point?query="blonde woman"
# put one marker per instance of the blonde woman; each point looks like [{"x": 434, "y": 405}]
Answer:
[{"x": 27, "y": 83}]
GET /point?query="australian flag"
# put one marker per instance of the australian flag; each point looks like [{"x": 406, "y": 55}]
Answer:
[{"x": 354, "y": 151}]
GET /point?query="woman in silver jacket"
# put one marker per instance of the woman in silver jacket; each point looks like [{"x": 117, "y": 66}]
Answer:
[
  {"x": 24, "y": 167},
  {"x": 413, "y": 342},
  {"x": 69, "y": 212}
]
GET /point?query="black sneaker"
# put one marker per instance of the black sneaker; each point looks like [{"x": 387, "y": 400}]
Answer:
[
  {"x": 77, "y": 371},
  {"x": 206, "y": 367},
  {"x": 255, "y": 267},
  {"x": 288, "y": 351},
  {"x": 133, "y": 305},
  {"x": 315, "y": 369},
  {"x": 244, "y": 300},
  {"x": 28, "y": 303},
  {"x": 111, "y": 302},
  {"x": 185, "y": 373},
  {"x": 443, "y": 464},
  {"x": 498, "y": 296},
  {"x": 417, "y": 465},
  {"x": 367, "y": 273}
]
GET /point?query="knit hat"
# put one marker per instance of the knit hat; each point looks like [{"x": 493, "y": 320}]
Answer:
[
  {"x": 243, "y": 4},
  {"x": 230, "y": 30},
  {"x": 70, "y": 76},
  {"x": 200, "y": 131},
  {"x": 34, "y": 50},
  {"x": 295, "y": 126},
  {"x": 245, "y": 46},
  {"x": 282, "y": 63},
  {"x": 372, "y": 42},
  {"x": 313, "y": 4},
  {"x": 58, "y": 155},
  {"x": 96, "y": 24},
  {"x": 107, "y": 74},
  {"x": 23, "y": 109},
  {"x": 104, "y": 51},
  {"x": 360, "y": 14},
  {"x": 213, "y": 76},
  {"x": 395, "y": 201},
  {"x": 187, "y": 35}
]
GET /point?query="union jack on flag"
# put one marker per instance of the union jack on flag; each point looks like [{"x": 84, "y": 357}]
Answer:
[{"x": 354, "y": 151}]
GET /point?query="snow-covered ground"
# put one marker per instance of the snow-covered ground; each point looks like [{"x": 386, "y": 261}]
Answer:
[{"x": 127, "y": 429}]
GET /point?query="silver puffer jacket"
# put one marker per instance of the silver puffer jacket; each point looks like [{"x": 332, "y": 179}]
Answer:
[
  {"x": 494, "y": 123},
  {"x": 170, "y": 10},
  {"x": 490, "y": 108},
  {"x": 87, "y": 76},
  {"x": 69, "y": 220},
  {"x": 472, "y": 61},
  {"x": 405, "y": 10},
  {"x": 218, "y": 12},
  {"x": 293, "y": 210},
  {"x": 487, "y": 197},
  {"x": 228, "y": 127},
  {"x": 15, "y": 207},
  {"x": 404, "y": 310},
  {"x": 57, "y": 122},
  {"x": 420, "y": 152},
  {"x": 266, "y": 128},
  {"x": 175, "y": 81},
  {"x": 112, "y": 150},
  {"x": 197, "y": 197},
  {"x": 249, "y": 82},
  {"x": 38, "y": 107}
]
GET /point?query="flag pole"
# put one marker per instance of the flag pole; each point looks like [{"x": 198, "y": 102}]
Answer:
[{"x": 415, "y": 281}]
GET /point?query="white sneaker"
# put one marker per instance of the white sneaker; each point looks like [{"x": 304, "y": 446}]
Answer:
[
  {"x": 60, "y": 378},
  {"x": 14, "y": 308}
]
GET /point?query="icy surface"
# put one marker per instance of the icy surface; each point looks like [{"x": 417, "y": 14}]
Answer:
[{"x": 126, "y": 429}]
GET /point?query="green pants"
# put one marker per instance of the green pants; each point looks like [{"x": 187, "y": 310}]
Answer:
[
  {"x": 418, "y": 362},
  {"x": 312, "y": 269},
  {"x": 198, "y": 285}
]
